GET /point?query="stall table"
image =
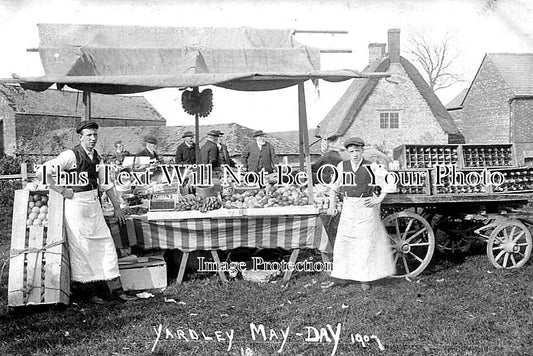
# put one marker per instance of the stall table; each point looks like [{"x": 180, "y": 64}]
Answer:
[{"x": 291, "y": 232}]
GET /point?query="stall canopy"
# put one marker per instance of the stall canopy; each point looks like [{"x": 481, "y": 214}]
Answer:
[{"x": 129, "y": 59}]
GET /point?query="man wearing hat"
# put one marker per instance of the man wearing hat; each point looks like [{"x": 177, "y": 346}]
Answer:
[
  {"x": 186, "y": 151},
  {"x": 93, "y": 258},
  {"x": 209, "y": 151},
  {"x": 117, "y": 157},
  {"x": 259, "y": 154},
  {"x": 362, "y": 251},
  {"x": 223, "y": 153},
  {"x": 331, "y": 156},
  {"x": 150, "y": 149}
]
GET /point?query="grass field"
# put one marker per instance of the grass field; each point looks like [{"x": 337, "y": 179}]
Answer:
[{"x": 461, "y": 307}]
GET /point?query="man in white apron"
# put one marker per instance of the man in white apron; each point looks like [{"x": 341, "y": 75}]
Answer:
[
  {"x": 362, "y": 251},
  {"x": 93, "y": 257}
]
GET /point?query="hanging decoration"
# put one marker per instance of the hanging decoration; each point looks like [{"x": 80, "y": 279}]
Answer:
[{"x": 198, "y": 103}]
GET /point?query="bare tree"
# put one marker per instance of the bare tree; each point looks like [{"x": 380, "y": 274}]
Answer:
[{"x": 435, "y": 59}]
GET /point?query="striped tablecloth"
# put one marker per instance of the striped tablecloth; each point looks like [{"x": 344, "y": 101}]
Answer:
[{"x": 289, "y": 232}]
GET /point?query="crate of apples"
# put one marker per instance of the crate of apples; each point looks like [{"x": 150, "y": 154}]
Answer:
[{"x": 37, "y": 210}]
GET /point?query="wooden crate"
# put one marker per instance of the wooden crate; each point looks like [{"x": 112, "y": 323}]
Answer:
[
  {"x": 426, "y": 156},
  {"x": 450, "y": 188},
  {"x": 39, "y": 270},
  {"x": 487, "y": 156},
  {"x": 408, "y": 180},
  {"x": 517, "y": 180}
]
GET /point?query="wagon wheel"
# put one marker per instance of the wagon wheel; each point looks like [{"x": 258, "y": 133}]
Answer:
[
  {"x": 509, "y": 245},
  {"x": 453, "y": 234},
  {"x": 412, "y": 240}
]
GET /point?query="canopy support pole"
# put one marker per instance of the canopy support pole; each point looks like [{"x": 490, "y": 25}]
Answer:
[
  {"x": 304, "y": 139},
  {"x": 87, "y": 103}
]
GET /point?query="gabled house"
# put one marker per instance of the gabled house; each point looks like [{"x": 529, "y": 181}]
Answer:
[
  {"x": 25, "y": 114},
  {"x": 388, "y": 112},
  {"x": 498, "y": 106}
]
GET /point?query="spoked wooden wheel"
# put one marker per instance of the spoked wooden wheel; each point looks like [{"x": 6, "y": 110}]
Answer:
[
  {"x": 509, "y": 245},
  {"x": 412, "y": 240}
]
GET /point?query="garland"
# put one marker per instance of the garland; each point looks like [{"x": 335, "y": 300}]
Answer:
[{"x": 197, "y": 103}]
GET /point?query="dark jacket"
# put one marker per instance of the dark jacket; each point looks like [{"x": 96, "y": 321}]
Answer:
[
  {"x": 185, "y": 154},
  {"x": 330, "y": 157},
  {"x": 254, "y": 160},
  {"x": 145, "y": 153},
  {"x": 223, "y": 156},
  {"x": 209, "y": 154}
]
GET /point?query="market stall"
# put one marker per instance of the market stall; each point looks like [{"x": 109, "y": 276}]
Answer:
[{"x": 133, "y": 59}]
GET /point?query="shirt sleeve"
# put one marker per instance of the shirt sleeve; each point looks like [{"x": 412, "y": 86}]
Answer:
[
  {"x": 387, "y": 185},
  {"x": 65, "y": 160}
]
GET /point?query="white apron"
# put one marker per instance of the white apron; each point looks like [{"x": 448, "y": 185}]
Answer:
[
  {"x": 92, "y": 251},
  {"x": 362, "y": 251}
]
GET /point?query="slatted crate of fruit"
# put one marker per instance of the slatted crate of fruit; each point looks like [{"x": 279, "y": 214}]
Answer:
[
  {"x": 516, "y": 180},
  {"x": 39, "y": 271},
  {"x": 426, "y": 156},
  {"x": 488, "y": 155},
  {"x": 465, "y": 182},
  {"x": 411, "y": 181}
]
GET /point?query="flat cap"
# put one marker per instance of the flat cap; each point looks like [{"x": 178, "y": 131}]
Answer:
[
  {"x": 188, "y": 134},
  {"x": 354, "y": 141},
  {"x": 86, "y": 125},
  {"x": 258, "y": 133},
  {"x": 150, "y": 139},
  {"x": 215, "y": 133}
]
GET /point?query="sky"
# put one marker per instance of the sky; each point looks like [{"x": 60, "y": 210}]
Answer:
[{"x": 476, "y": 26}]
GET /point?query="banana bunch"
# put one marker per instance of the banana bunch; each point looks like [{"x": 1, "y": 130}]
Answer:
[
  {"x": 209, "y": 203},
  {"x": 196, "y": 102},
  {"x": 187, "y": 202}
]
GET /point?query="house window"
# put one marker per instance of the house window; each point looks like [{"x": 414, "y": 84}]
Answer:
[{"x": 389, "y": 120}]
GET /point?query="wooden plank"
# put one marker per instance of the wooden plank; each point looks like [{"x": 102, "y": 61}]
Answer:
[
  {"x": 192, "y": 214},
  {"x": 57, "y": 256},
  {"x": 18, "y": 243},
  {"x": 183, "y": 266},
  {"x": 392, "y": 199},
  {"x": 34, "y": 267},
  {"x": 292, "y": 261},
  {"x": 281, "y": 210},
  {"x": 217, "y": 261}
]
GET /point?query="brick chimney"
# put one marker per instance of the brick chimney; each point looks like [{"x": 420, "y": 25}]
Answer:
[
  {"x": 376, "y": 51},
  {"x": 394, "y": 45}
]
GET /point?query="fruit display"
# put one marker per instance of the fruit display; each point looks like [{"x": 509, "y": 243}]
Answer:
[
  {"x": 192, "y": 202},
  {"x": 487, "y": 156},
  {"x": 269, "y": 196},
  {"x": 321, "y": 194},
  {"x": 37, "y": 210},
  {"x": 517, "y": 180}
]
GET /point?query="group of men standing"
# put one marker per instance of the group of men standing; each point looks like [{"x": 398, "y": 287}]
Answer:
[{"x": 257, "y": 155}]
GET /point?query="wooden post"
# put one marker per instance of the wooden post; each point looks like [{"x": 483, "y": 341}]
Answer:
[
  {"x": 24, "y": 174},
  {"x": 197, "y": 138},
  {"x": 304, "y": 134},
  {"x": 87, "y": 103}
]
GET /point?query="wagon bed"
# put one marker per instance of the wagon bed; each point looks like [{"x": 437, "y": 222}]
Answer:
[{"x": 416, "y": 224}]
